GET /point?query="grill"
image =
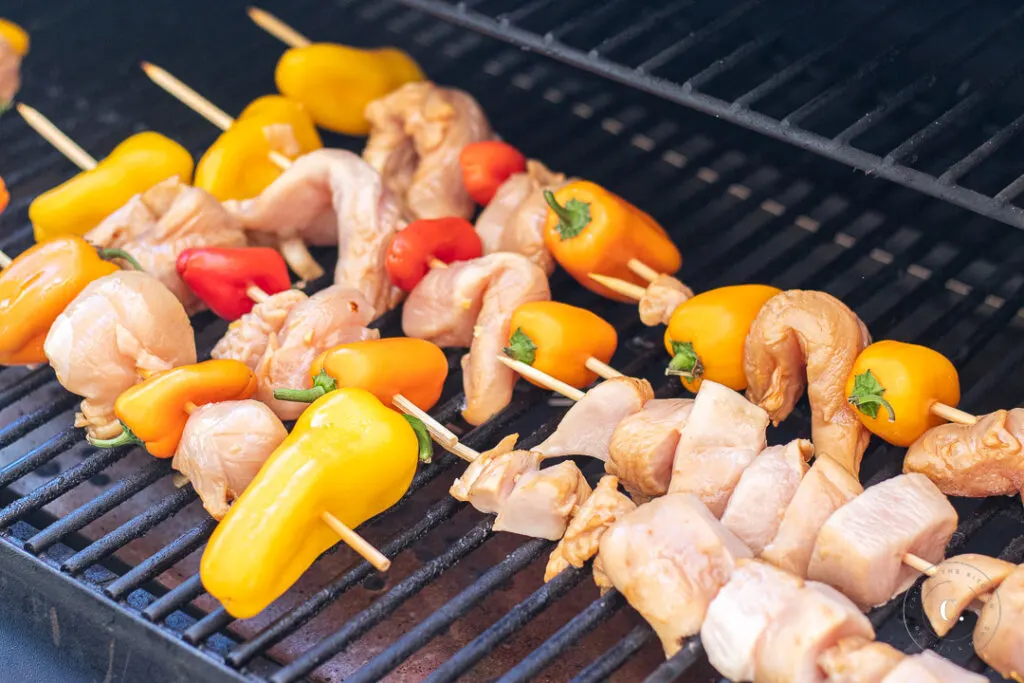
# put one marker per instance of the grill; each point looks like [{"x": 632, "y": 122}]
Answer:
[{"x": 99, "y": 550}]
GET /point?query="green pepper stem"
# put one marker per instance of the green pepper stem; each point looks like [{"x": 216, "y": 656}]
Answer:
[
  {"x": 521, "y": 347},
  {"x": 572, "y": 218},
  {"x": 867, "y": 396},
  {"x": 322, "y": 384},
  {"x": 426, "y": 446},
  {"x": 125, "y": 438},
  {"x": 110, "y": 254},
  {"x": 685, "y": 363}
]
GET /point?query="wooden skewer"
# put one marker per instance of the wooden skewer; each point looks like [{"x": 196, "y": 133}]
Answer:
[
  {"x": 642, "y": 269},
  {"x": 56, "y": 137},
  {"x": 5, "y": 260},
  {"x": 622, "y": 287},
  {"x": 952, "y": 414},
  {"x": 601, "y": 369},
  {"x": 277, "y": 28}
]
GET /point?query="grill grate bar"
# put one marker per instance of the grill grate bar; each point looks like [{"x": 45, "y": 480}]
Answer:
[
  {"x": 215, "y": 621},
  {"x": 182, "y": 594},
  {"x": 640, "y": 27},
  {"x": 983, "y": 151},
  {"x": 676, "y": 665},
  {"x": 697, "y": 37},
  {"x": 37, "y": 418},
  {"x": 39, "y": 456},
  {"x": 25, "y": 385},
  {"x": 164, "y": 559},
  {"x": 608, "y": 663}
]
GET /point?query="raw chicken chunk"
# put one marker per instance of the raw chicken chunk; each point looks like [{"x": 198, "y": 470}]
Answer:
[
  {"x": 222, "y": 448},
  {"x": 514, "y": 220},
  {"x": 588, "y": 426},
  {"x": 542, "y": 501},
  {"x": 661, "y": 299},
  {"x": 861, "y": 547},
  {"x": 333, "y": 316},
  {"x": 809, "y": 339},
  {"x": 488, "y": 480},
  {"x": 328, "y": 197},
  {"x": 986, "y": 459},
  {"x": 461, "y": 486},
  {"x": 764, "y": 493},
  {"x": 998, "y": 638},
  {"x": 10, "y": 72},
  {"x": 643, "y": 445},
  {"x": 417, "y": 133},
  {"x": 117, "y": 329},
  {"x": 957, "y": 582},
  {"x": 825, "y": 488},
  {"x": 859, "y": 660},
  {"x": 246, "y": 338},
  {"x": 165, "y": 220},
  {"x": 817, "y": 619},
  {"x": 669, "y": 558},
  {"x": 470, "y": 304},
  {"x": 742, "y": 612},
  {"x": 928, "y": 667},
  {"x": 722, "y": 436},
  {"x": 583, "y": 536}
]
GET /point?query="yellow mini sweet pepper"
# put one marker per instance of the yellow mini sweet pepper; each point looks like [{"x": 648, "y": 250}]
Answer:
[
  {"x": 239, "y": 165},
  {"x": 350, "y": 456},
  {"x": 15, "y": 36},
  {"x": 336, "y": 82},
  {"x": 137, "y": 164}
]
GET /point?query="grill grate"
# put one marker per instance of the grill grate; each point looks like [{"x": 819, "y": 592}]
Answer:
[{"x": 107, "y": 530}]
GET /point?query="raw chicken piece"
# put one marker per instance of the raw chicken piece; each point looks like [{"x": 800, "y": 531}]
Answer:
[
  {"x": 247, "y": 337},
  {"x": 488, "y": 480},
  {"x": 860, "y": 548},
  {"x": 542, "y": 501},
  {"x": 328, "y": 197},
  {"x": 460, "y": 487},
  {"x": 809, "y": 339},
  {"x": 222, "y": 448},
  {"x": 643, "y": 445},
  {"x": 583, "y": 535},
  {"x": 957, "y": 582},
  {"x": 986, "y": 459},
  {"x": 417, "y": 133},
  {"x": 859, "y": 660},
  {"x": 601, "y": 580},
  {"x": 764, "y": 493},
  {"x": 998, "y": 638},
  {"x": 333, "y": 316},
  {"x": 669, "y": 558},
  {"x": 817, "y": 619},
  {"x": 928, "y": 667},
  {"x": 743, "y": 611},
  {"x": 661, "y": 299},
  {"x": 588, "y": 426},
  {"x": 10, "y": 76},
  {"x": 470, "y": 304},
  {"x": 118, "y": 328},
  {"x": 165, "y": 220},
  {"x": 514, "y": 220},
  {"x": 825, "y": 488},
  {"x": 722, "y": 436}
]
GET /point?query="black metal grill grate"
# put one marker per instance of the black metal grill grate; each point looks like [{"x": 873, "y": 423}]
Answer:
[{"x": 105, "y": 532}]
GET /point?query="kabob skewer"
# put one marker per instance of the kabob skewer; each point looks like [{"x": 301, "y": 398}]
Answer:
[{"x": 277, "y": 28}]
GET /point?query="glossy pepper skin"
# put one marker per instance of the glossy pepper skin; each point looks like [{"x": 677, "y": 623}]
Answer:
[
  {"x": 154, "y": 412},
  {"x": 336, "y": 82},
  {"x": 706, "y": 335},
  {"x": 238, "y": 164},
  {"x": 348, "y": 455},
  {"x": 137, "y": 164},
  {"x": 5, "y": 196},
  {"x": 486, "y": 165},
  {"x": 36, "y": 287},
  {"x": 893, "y": 386},
  {"x": 558, "y": 339},
  {"x": 15, "y": 36},
  {"x": 446, "y": 239},
  {"x": 222, "y": 276},
  {"x": 591, "y": 230}
]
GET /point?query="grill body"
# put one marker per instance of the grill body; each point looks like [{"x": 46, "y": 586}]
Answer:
[{"x": 99, "y": 550}]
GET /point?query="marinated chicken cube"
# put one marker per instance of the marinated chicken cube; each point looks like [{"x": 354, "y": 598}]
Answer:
[
  {"x": 722, "y": 436},
  {"x": 957, "y": 582},
  {"x": 118, "y": 329},
  {"x": 860, "y": 548},
  {"x": 809, "y": 339},
  {"x": 488, "y": 480},
  {"x": 928, "y": 667},
  {"x": 246, "y": 338},
  {"x": 643, "y": 446},
  {"x": 998, "y": 638},
  {"x": 661, "y": 299},
  {"x": 588, "y": 426},
  {"x": 417, "y": 133},
  {"x": 669, "y": 558},
  {"x": 583, "y": 535},
  {"x": 460, "y": 487},
  {"x": 542, "y": 501},
  {"x": 859, "y": 660}
]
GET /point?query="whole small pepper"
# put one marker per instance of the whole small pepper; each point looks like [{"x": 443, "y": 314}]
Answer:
[
  {"x": 591, "y": 230},
  {"x": 238, "y": 165},
  {"x": 486, "y": 165},
  {"x": 557, "y": 339},
  {"x": 348, "y": 455},
  {"x": 411, "y": 250},
  {"x": 38, "y": 285},
  {"x": 706, "y": 335},
  {"x": 893, "y": 385},
  {"x": 137, "y": 164},
  {"x": 154, "y": 411},
  {"x": 221, "y": 277},
  {"x": 336, "y": 82}
]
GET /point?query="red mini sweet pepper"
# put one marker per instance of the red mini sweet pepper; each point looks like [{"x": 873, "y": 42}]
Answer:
[
  {"x": 222, "y": 277},
  {"x": 486, "y": 165},
  {"x": 445, "y": 239}
]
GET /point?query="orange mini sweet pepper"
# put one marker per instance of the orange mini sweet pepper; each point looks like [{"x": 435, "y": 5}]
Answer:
[
  {"x": 557, "y": 339},
  {"x": 592, "y": 230},
  {"x": 154, "y": 412}
]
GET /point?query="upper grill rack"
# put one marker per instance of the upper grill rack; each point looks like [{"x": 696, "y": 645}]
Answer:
[
  {"x": 924, "y": 95},
  {"x": 763, "y": 214}
]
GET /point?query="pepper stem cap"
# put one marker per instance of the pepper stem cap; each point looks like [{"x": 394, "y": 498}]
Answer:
[
  {"x": 426, "y": 446},
  {"x": 868, "y": 396},
  {"x": 521, "y": 347},
  {"x": 322, "y": 384},
  {"x": 572, "y": 218},
  {"x": 125, "y": 438},
  {"x": 110, "y": 254},
  {"x": 685, "y": 363}
]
